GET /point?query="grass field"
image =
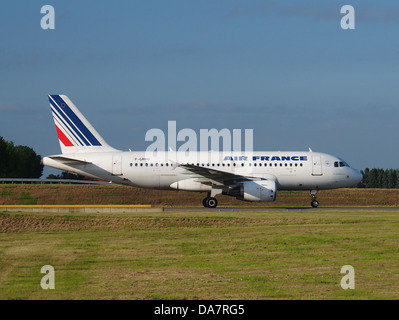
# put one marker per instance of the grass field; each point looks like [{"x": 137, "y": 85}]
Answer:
[{"x": 295, "y": 254}]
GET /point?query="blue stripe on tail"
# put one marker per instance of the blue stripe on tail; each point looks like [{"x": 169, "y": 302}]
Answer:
[
  {"x": 62, "y": 107},
  {"x": 72, "y": 128}
]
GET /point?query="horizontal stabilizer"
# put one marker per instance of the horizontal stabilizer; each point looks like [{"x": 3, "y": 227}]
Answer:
[{"x": 67, "y": 160}]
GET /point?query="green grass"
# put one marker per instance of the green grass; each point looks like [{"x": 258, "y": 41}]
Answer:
[
  {"x": 26, "y": 199},
  {"x": 200, "y": 255}
]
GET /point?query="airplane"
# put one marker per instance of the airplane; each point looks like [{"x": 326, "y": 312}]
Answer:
[{"x": 249, "y": 176}]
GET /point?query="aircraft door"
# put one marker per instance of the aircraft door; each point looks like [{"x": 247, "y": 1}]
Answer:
[
  {"x": 117, "y": 165},
  {"x": 317, "y": 169}
]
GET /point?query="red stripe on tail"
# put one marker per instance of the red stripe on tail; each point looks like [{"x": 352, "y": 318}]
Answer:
[{"x": 63, "y": 138}]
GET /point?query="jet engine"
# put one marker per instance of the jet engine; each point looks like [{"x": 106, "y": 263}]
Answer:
[{"x": 262, "y": 191}]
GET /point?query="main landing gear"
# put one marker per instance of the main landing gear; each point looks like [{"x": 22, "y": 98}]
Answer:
[
  {"x": 314, "y": 202},
  {"x": 210, "y": 201}
]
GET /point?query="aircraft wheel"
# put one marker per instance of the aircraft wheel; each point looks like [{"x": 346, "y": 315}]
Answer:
[
  {"x": 211, "y": 202},
  {"x": 204, "y": 202},
  {"x": 315, "y": 203}
]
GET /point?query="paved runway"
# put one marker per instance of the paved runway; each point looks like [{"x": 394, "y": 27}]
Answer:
[
  {"x": 149, "y": 208},
  {"x": 263, "y": 209},
  {"x": 80, "y": 208}
]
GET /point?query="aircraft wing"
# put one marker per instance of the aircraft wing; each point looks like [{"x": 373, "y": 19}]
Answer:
[{"x": 221, "y": 178}]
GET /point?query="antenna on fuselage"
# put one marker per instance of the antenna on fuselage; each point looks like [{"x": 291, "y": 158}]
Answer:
[{"x": 310, "y": 150}]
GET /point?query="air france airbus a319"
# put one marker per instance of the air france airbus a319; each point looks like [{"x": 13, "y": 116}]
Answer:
[{"x": 249, "y": 176}]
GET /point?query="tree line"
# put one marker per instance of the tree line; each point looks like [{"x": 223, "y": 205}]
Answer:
[
  {"x": 379, "y": 178},
  {"x": 64, "y": 175},
  {"x": 19, "y": 161}
]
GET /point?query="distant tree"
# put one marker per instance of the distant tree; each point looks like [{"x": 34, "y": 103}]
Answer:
[
  {"x": 3, "y": 157},
  {"x": 366, "y": 177},
  {"x": 66, "y": 175},
  {"x": 71, "y": 176},
  {"x": 19, "y": 161},
  {"x": 373, "y": 179},
  {"x": 52, "y": 176},
  {"x": 27, "y": 163},
  {"x": 379, "y": 178},
  {"x": 389, "y": 179}
]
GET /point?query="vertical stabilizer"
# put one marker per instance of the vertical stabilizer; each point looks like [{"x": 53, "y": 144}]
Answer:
[{"x": 75, "y": 133}]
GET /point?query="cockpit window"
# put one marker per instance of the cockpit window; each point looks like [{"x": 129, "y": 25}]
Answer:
[{"x": 340, "y": 164}]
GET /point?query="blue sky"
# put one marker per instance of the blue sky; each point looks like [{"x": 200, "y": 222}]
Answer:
[{"x": 285, "y": 69}]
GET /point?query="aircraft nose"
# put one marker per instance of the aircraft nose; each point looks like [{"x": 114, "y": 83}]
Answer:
[{"x": 357, "y": 177}]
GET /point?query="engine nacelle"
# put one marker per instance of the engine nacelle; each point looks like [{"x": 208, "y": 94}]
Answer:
[
  {"x": 190, "y": 185},
  {"x": 262, "y": 191}
]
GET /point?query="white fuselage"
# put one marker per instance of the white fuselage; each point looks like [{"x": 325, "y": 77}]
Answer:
[
  {"x": 161, "y": 170},
  {"x": 248, "y": 176}
]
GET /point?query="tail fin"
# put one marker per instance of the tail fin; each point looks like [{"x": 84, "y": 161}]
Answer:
[{"x": 75, "y": 133}]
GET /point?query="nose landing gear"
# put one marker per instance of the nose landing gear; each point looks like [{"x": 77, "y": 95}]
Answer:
[{"x": 314, "y": 202}]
